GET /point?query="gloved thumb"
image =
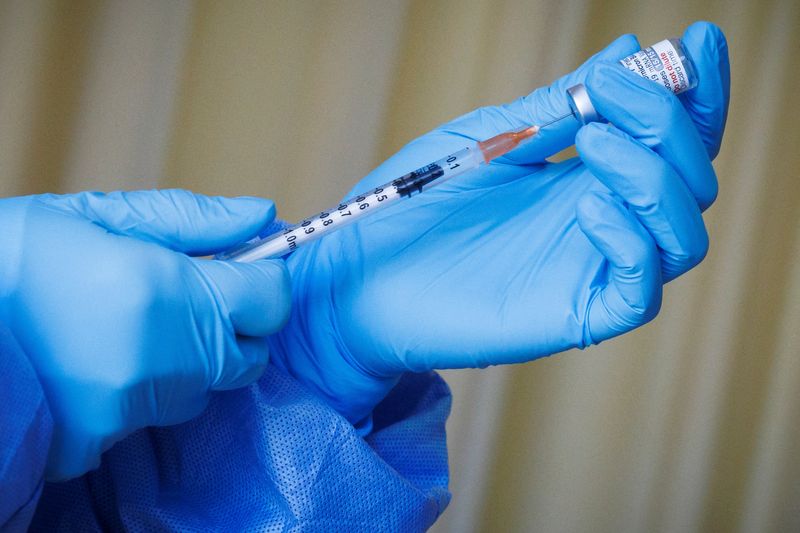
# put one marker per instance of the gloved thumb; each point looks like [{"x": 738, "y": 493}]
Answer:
[
  {"x": 174, "y": 218},
  {"x": 253, "y": 300}
]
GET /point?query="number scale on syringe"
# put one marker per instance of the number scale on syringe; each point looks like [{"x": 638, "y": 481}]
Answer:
[{"x": 356, "y": 208}]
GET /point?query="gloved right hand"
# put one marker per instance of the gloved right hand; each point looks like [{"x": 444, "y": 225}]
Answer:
[
  {"x": 522, "y": 258},
  {"x": 123, "y": 328}
]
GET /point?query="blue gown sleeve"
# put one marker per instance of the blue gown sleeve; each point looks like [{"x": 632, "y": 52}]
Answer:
[
  {"x": 270, "y": 457},
  {"x": 25, "y": 431}
]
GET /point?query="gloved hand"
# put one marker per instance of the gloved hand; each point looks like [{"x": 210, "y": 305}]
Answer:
[
  {"x": 124, "y": 329},
  {"x": 524, "y": 258}
]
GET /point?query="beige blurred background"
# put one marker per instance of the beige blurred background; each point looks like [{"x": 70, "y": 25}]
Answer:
[{"x": 692, "y": 423}]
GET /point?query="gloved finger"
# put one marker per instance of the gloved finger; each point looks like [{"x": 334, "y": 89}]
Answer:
[
  {"x": 174, "y": 218},
  {"x": 656, "y": 117},
  {"x": 707, "y": 103},
  {"x": 255, "y": 297},
  {"x": 251, "y": 300},
  {"x": 632, "y": 295},
  {"x": 655, "y": 193},
  {"x": 538, "y": 107}
]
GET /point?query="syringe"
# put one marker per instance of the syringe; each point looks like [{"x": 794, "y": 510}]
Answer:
[
  {"x": 665, "y": 62},
  {"x": 356, "y": 208}
]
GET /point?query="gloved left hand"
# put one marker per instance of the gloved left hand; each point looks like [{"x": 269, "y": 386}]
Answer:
[
  {"x": 124, "y": 329},
  {"x": 524, "y": 258}
]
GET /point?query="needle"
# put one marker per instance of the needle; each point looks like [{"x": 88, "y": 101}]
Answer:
[{"x": 553, "y": 121}]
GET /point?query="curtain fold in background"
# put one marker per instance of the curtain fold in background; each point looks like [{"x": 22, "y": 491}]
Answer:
[{"x": 688, "y": 424}]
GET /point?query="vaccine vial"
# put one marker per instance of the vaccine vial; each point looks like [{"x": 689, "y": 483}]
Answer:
[{"x": 665, "y": 62}]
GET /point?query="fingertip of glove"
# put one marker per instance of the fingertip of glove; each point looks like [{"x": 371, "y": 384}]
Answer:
[
  {"x": 705, "y": 31},
  {"x": 592, "y": 136},
  {"x": 621, "y": 47},
  {"x": 600, "y": 76},
  {"x": 707, "y": 45},
  {"x": 262, "y": 206},
  {"x": 275, "y": 269},
  {"x": 281, "y": 283},
  {"x": 258, "y": 295},
  {"x": 247, "y": 214}
]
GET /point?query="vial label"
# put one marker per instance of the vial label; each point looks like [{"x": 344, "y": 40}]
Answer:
[{"x": 662, "y": 64}]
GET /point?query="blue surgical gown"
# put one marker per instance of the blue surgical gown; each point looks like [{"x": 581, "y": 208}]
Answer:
[{"x": 270, "y": 457}]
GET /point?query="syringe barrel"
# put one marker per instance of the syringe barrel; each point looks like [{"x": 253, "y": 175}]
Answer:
[
  {"x": 357, "y": 207},
  {"x": 666, "y": 62}
]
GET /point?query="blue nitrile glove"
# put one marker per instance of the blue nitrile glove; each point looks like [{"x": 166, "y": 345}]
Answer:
[
  {"x": 123, "y": 328},
  {"x": 523, "y": 258}
]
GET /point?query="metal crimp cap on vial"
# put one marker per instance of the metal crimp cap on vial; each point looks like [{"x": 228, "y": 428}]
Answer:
[{"x": 580, "y": 104}]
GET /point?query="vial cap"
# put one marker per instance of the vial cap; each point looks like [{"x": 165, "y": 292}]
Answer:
[{"x": 580, "y": 104}]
